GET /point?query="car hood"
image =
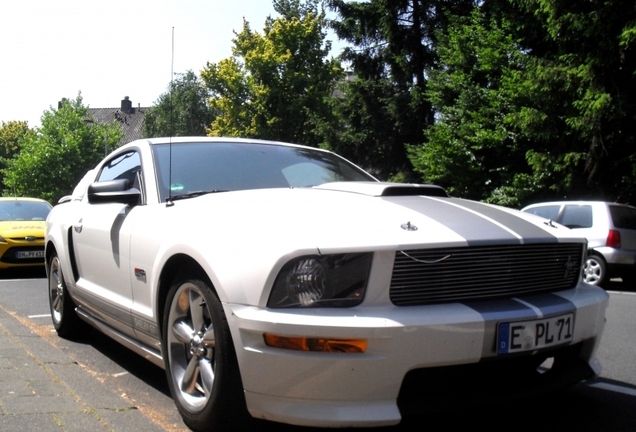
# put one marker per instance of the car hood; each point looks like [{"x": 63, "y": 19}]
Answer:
[
  {"x": 359, "y": 216},
  {"x": 18, "y": 229}
]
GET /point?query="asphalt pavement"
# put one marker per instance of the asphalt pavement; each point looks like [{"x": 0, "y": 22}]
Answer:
[{"x": 43, "y": 389}]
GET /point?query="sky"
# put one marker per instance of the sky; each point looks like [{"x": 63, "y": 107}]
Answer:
[{"x": 52, "y": 49}]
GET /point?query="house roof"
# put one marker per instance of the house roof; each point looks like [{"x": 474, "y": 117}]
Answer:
[{"x": 130, "y": 119}]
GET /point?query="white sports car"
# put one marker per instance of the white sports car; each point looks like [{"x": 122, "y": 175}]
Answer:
[{"x": 285, "y": 282}]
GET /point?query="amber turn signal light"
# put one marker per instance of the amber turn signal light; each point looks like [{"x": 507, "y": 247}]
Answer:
[{"x": 316, "y": 344}]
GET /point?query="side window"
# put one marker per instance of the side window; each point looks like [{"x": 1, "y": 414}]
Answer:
[
  {"x": 577, "y": 216},
  {"x": 125, "y": 166},
  {"x": 549, "y": 212}
]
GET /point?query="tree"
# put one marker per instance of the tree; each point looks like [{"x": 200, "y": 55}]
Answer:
[
  {"x": 475, "y": 147},
  {"x": 11, "y": 133},
  {"x": 383, "y": 108},
  {"x": 181, "y": 111},
  {"x": 534, "y": 102},
  {"x": 276, "y": 84},
  {"x": 591, "y": 60},
  {"x": 56, "y": 156}
]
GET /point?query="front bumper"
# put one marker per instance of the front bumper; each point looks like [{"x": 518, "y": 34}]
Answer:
[{"x": 339, "y": 389}]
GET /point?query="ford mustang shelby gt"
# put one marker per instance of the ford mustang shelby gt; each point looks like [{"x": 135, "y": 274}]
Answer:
[{"x": 286, "y": 283}]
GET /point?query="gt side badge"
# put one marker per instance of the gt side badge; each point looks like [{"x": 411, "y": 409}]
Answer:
[{"x": 140, "y": 274}]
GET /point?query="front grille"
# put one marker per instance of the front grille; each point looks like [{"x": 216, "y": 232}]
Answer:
[{"x": 428, "y": 276}]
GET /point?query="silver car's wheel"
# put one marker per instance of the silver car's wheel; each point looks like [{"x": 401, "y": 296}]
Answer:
[
  {"x": 65, "y": 320},
  {"x": 595, "y": 271},
  {"x": 200, "y": 360}
]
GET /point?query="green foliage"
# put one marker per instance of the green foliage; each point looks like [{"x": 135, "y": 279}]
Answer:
[
  {"x": 276, "y": 84},
  {"x": 383, "y": 107},
  {"x": 591, "y": 66},
  {"x": 54, "y": 158},
  {"x": 365, "y": 129},
  {"x": 11, "y": 133},
  {"x": 475, "y": 148},
  {"x": 182, "y": 111},
  {"x": 534, "y": 99}
]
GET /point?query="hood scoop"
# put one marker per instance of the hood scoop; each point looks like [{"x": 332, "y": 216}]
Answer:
[{"x": 385, "y": 189}]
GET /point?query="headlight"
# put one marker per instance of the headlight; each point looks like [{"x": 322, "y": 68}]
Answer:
[
  {"x": 2, "y": 240},
  {"x": 322, "y": 281}
]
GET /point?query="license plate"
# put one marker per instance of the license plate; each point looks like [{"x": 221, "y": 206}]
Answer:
[
  {"x": 29, "y": 254},
  {"x": 531, "y": 335}
]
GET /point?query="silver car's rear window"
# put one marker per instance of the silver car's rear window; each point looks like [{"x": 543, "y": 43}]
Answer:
[{"x": 623, "y": 217}]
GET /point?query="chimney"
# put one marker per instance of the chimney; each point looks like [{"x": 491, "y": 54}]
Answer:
[{"x": 126, "y": 105}]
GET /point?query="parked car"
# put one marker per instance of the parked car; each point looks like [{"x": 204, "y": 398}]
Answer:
[
  {"x": 22, "y": 231},
  {"x": 285, "y": 283},
  {"x": 610, "y": 230}
]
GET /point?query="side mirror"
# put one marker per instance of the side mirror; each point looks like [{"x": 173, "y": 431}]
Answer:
[{"x": 113, "y": 191}]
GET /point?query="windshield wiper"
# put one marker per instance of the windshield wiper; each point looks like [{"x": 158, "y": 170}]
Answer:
[{"x": 196, "y": 194}]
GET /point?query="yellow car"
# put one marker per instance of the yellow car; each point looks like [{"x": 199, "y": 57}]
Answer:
[{"x": 22, "y": 224}]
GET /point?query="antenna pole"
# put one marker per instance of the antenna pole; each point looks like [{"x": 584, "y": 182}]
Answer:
[
  {"x": 172, "y": 60},
  {"x": 169, "y": 201}
]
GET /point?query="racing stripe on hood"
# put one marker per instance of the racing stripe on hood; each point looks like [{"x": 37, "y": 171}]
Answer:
[
  {"x": 520, "y": 308},
  {"x": 478, "y": 224},
  {"x": 528, "y": 231}
]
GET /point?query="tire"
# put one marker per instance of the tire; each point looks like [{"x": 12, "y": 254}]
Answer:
[
  {"x": 595, "y": 271},
  {"x": 200, "y": 360},
  {"x": 65, "y": 319}
]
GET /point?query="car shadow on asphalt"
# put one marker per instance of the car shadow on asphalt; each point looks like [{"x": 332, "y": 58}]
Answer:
[
  {"x": 142, "y": 369},
  {"x": 618, "y": 285},
  {"x": 23, "y": 273}
]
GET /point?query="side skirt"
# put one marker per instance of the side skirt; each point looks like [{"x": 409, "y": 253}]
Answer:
[{"x": 132, "y": 344}]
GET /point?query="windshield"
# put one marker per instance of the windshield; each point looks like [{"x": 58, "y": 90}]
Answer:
[
  {"x": 215, "y": 167},
  {"x": 17, "y": 210}
]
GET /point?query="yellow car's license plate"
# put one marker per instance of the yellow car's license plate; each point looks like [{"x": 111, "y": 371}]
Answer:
[{"x": 29, "y": 254}]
